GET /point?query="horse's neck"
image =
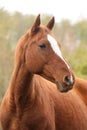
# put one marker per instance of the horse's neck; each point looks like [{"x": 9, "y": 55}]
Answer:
[
  {"x": 20, "y": 85},
  {"x": 81, "y": 88}
]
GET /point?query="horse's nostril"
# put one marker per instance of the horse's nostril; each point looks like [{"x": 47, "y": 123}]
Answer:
[{"x": 68, "y": 80}]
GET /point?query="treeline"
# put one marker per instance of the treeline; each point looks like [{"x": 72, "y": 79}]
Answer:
[{"x": 73, "y": 39}]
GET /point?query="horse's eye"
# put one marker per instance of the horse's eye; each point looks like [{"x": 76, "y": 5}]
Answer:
[{"x": 42, "y": 45}]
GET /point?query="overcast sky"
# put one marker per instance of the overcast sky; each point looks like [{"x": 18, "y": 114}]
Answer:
[{"x": 68, "y": 9}]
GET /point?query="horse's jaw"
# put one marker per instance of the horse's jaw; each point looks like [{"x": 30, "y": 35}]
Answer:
[{"x": 63, "y": 89}]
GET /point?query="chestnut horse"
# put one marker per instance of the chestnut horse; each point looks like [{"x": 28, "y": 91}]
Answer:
[{"x": 32, "y": 100}]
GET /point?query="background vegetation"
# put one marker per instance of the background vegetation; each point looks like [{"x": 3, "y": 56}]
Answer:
[{"x": 73, "y": 39}]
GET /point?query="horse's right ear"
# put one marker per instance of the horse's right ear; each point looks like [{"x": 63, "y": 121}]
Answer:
[{"x": 36, "y": 25}]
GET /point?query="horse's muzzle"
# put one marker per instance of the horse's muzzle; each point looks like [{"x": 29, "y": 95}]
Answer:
[{"x": 67, "y": 84}]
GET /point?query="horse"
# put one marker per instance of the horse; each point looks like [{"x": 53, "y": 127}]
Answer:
[{"x": 43, "y": 93}]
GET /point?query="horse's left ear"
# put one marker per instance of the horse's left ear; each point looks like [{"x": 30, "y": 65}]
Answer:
[
  {"x": 51, "y": 23},
  {"x": 36, "y": 24}
]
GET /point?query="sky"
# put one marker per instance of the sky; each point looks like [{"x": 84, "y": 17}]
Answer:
[{"x": 61, "y": 9}]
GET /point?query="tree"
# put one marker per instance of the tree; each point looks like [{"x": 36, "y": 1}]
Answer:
[{"x": 80, "y": 29}]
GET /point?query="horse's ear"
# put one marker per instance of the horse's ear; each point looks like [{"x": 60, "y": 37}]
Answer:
[
  {"x": 36, "y": 24},
  {"x": 51, "y": 23}
]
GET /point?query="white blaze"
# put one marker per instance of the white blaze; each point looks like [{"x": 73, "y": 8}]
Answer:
[{"x": 55, "y": 47}]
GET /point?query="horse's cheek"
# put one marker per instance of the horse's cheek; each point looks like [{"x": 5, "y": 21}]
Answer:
[{"x": 32, "y": 64}]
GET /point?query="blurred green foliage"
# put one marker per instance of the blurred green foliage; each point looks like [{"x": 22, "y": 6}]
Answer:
[
  {"x": 78, "y": 61},
  {"x": 73, "y": 38}
]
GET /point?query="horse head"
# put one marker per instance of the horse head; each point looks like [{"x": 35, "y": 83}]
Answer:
[{"x": 43, "y": 55}]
